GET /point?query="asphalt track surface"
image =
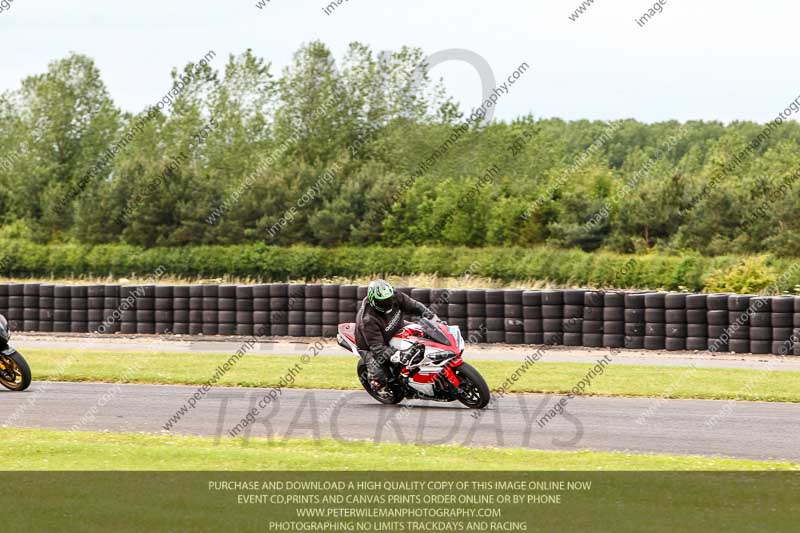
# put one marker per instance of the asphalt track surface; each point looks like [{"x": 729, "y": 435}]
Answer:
[
  {"x": 752, "y": 430},
  {"x": 292, "y": 346}
]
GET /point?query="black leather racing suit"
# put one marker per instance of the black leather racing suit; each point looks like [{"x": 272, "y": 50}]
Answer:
[{"x": 374, "y": 330}]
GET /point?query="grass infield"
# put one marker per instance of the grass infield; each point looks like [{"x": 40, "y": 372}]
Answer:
[{"x": 36, "y": 449}]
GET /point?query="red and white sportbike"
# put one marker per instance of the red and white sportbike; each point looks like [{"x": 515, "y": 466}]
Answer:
[{"x": 433, "y": 370}]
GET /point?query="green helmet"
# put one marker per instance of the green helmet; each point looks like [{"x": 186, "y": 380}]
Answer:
[{"x": 380, "y": 295}]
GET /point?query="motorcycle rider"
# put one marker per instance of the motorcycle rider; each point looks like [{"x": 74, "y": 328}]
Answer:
[{"x": 379, "y": 318}]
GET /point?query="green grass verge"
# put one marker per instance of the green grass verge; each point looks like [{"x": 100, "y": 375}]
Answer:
[
  {"x": 334, "y": 372},
  {"x": 36, "y": 449}
]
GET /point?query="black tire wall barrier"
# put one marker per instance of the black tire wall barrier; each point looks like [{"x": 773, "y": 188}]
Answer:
[{"x": 570, "y": 317}]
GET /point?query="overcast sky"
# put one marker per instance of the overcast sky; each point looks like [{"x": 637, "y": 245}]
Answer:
[{"x": 701, "y": 59}]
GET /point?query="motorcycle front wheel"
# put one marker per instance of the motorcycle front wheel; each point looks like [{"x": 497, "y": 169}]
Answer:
[
  {"x": 473, "y": 391},
  {"x": 15, "y": 374},
  {"x": 389, "y": 396}
]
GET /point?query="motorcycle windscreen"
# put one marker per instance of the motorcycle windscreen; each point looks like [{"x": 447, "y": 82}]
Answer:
[{"x": 430, "y": 329}]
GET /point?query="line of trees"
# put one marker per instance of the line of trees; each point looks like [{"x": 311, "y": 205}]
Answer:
[{"x": 241, "y": 144}]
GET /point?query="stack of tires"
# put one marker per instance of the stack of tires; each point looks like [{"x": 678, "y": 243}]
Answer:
[
  {"x": 181, "y": 313},
  {"x": 4, "y": 299},
  {"x": 244, "y": 311},
  {"x": 592, "y": 325},
  {"x": 675, "y": 321},
  {"x": 553, "y": 317},
  {"x": 761, "y": 325},
  {"x": 243, "y": 319},
  {"x": 112, "y": 304},
  {"x": 196, "y": 310},
  {"x": 655, "y": 327},
  {"x": 79, "y": 313},
  {"x": 146, "y": 310},
  {"x": 739, "y": 322},
  {"x": 532, "y": 317},
  {"x": 457, "y": 310},
  {"x": 440, "y": 299},
  {"x": 635, "y": 324},
  {"x": 614, "y": 320},
  {"x": 495, "y": 316},
  {"x": 572, "y": 323},
  {"x": 573, "y": 317},
  {"x": 279, "y": 309},
  {"x": 330, "y": 310},
  {"x": 16, "y": 307},
  {"x": 62, "y": 309},
  {"x": 348, "y": 303},
  {"x": 30, "y": 307},
  {"x": 717, "y": 315},
  {"x": 696, "y": 322},
  {"x": 512, "y": 315},
  {"x": 163, "y": 309},
  {"x": 261, "y": 311},
  {"x": 476, "y": 315},
  {"x": 46, "y": 301},
  {"x": 362, "y": 291},
  {"x": 796, "y": 325},
  {"x": 782, "y": 320},
  {"x": 210, "y": 310},
  {"x": 226, "y": 306},
  {"x": 127, "y": 309},
  {"x": 95, "y": 306},
  {"x": 313, "y": 311}
]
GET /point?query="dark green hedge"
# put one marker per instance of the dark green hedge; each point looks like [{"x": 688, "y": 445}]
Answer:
[{"x": 270, "y": 263}]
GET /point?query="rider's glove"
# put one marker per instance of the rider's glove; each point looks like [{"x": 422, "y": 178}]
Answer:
[{"x": 403, "y": 357}]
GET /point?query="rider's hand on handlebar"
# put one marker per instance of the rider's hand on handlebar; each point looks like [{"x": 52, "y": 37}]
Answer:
[{"x": 403, "y": 357}]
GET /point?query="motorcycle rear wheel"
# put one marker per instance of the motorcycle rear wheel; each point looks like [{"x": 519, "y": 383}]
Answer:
[
  {"x": 393, "y": 394},
  {"x": 15, "y": 374},
  {"x": 473, "y": 391}
]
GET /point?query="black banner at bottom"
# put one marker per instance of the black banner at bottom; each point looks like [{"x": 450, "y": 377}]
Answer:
[{"x": 402, "y": 501}]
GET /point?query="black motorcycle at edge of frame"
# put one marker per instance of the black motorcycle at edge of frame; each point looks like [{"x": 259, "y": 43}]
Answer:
[{"x": 15, "y": 374}]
